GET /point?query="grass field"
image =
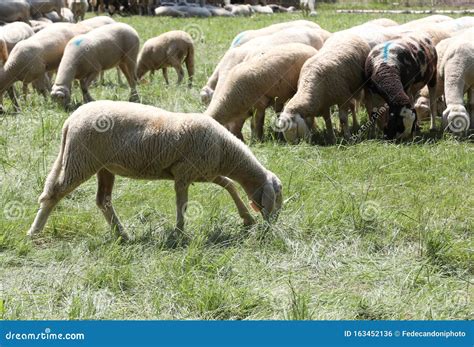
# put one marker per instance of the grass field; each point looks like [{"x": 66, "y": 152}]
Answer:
[{"x": 373, "y": 230}]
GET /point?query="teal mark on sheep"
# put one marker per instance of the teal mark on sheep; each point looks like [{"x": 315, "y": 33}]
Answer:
[
  {"x": 385, "y": 51},
  {"x": 238, "y": 38},
  {"x": 78, "y": 42}
]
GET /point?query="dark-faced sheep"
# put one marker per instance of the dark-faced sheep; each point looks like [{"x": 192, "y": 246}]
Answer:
[
  {"x": 156, "y": 144},
  {"x": 397, "y": 70}
]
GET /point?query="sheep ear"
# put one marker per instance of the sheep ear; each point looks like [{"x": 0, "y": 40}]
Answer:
[{"x": 268, "y": 200}]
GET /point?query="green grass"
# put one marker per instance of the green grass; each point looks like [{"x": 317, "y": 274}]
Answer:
[{"x": 373, "y": 230}]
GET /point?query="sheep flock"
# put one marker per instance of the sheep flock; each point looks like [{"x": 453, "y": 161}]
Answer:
[{"x": 399, "y": 74}]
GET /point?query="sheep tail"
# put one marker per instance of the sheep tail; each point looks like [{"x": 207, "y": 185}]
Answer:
[
  {"x": 53, "y": 176},
  {"x": 190, "y": 63}
]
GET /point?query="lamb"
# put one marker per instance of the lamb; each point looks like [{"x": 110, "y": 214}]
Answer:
[
  {"x": 14, "y": 10},
  {"x": 157, "y": 144},
  {"x": 256, "y": 83},
  {"x": 78, "y": 8},
  {"x": 309, "y": 36},
  {"x": 168, "y": 49},
  {"x": 397, "y": 70},
  {"x": 85, "y": 56},
  {"x": 246, "y": 36},
  {"x": 331, "y": 77}
]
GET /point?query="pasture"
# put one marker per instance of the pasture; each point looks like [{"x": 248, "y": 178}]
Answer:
[{"x": 370, "y": 230}]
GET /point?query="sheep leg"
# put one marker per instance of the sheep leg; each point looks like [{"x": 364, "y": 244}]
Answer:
[
  {"x": 181, "y": 189},
  {"x": 353, "y": 108},
  {"x": 12, "y": 95},
  {"x": 257, "y": 124},
  {"x": 25, "y": 90},
  {"x": 433, "y": 102},
  {"x": 165, "y": 75},
  {"x": 105, "y": 180},
  {"x": 236, "y": 128},
  {"x": 180, "y": 72},
  {"x": 119, "y": 78},
  {"x": 228, "y": 185},
  {"x": 329, "y": 128},
  {"x": 85, "y": 83},
  {"x": 344, "y": 119},
  {"x": 128, "y": 68}
]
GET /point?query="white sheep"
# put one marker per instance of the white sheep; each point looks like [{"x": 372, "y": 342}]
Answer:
[
  {"x": 78, "y": 8},
  {"x": 256, "y": 84},
  {"x": 170, "y": 49},
  {"x": 85, "y": 56},
  {"x": 397, "y": 70},
  {"x": 456, "y": 75},
  {"x": 111, "y": 138},
  {"x": 313, "y": 37},
  {"x": 246, "y": 36},
  {"x": 334, "y": 76}
]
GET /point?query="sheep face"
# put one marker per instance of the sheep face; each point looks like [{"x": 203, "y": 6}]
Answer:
[
  {"x": 206, "y": 95},
  {"x": 456, "y": 118},
  {"x": 293, "y": 126},
  {"x": 61, "y": 95},
  {"x": 401, "y": 123},
  {"x": 268, "y": 199}
]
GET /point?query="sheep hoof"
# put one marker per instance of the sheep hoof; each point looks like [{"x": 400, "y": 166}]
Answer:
[
  {"x": 31, "y": 233},
  {"x": 249, "y": 221}
]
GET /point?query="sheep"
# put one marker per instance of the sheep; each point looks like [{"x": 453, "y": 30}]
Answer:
[
  {"x": 11, "y": 11},
  {"x": 280, "y": 9},
  {"x": 383, "y": 22},
  {"x": 194, "y": 11},
  {"x": 41, "y": 7},
  {"x": 309, "y": 36},
  {"x": 168, "y": 49},
  {"x": 262, "y": 9},
  {"x": 422, "y": 103},
  {"x": 85, "y": 56},
  {"x": 397, "y": 70},
  {"x": 256, "y": 83},
  {"x": 32, "y": 58},
  {"x": 37, "y": 25},
  {"x": 248, "y": 35},
  {"x": 15, "y": 32},
  {"x": 331, "y": 77},
  {"x": 456, "y": 76},
  {"x": 437, "y": 18},
  {"x": 54, "y": 17},
  {"x": 168, "y": 11},
  {"x": 219, "y": 11},
  {"x": 155, "y": 144},
  {"x": 240, "y": 10},
  {"x": 308, "y": 7},
  {"x": 78, "y": 8}
]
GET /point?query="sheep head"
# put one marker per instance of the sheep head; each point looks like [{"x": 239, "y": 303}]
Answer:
[
  {"x": 401, "y": 122},
  {"x": 456, "y": 118},
  {"x": 293, "y": 126},
  {"x": 268, "y": 198},
  {"x": 62, "y": 95}
]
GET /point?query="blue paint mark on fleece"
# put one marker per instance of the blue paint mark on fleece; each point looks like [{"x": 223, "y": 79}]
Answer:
[
  {"x": 238, "y": 38},
  {"x": 385, "y": 51},
  {"x": 78, "y": 42}
]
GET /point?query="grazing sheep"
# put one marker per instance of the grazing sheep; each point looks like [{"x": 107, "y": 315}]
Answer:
[
  {"x": 170, "y": 49},
  {"x": 256, "y": 83},
  {"x": 310, "y": 36},
  {"x": 85, "y": 56},
  {"x": 248, "y": 35},
  {"x": 32, "y": 58},
  {"x": 14, "y": 10},
  {"x": 39, "y": 8},
  {"x": 240, "y": 10},
  {"x": 331, "y": 77},
  {"x": 397, "y": 70},
  {"x": 156, "y": 144},
  {"x": 78, "y": 8}
]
